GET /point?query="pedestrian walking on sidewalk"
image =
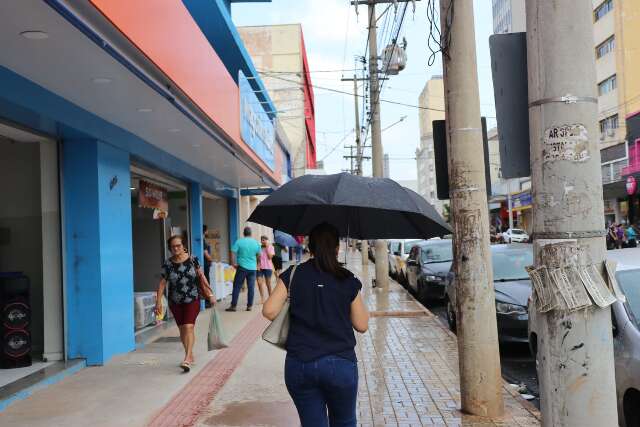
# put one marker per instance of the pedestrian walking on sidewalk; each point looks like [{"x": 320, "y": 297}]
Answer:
[
  {"x": 321, "y": 371},
  {"x": 245, "y": 254},
  {"x": 299, "y": 249},
  {"x": 631, "y": 237},
  {"x": 265, "y": 268},
  {"x": 612, "y": 237},
  {"x": 621, "y": 237},
  {"x": 277, "y": 258},
  {"x": 186, "y": 283}
]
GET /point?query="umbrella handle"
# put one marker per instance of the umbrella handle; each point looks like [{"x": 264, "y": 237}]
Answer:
[{"x": 346, "y": 249}]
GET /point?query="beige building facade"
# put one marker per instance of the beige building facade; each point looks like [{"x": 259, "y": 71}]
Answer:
[
  {"x": 278, "y": 53},
  {"x": 431, "y": 104}
]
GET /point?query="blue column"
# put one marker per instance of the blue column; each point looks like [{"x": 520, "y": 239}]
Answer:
[
  {"x": 98, "y": 250},
  {"x": 195, "y": 209},
  {"x": 234, "y": 214}
]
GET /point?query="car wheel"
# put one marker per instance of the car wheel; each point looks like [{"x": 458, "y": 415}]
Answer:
[
  {"x": 451, "y": 315},
  {"x": 631, "y": 408}
]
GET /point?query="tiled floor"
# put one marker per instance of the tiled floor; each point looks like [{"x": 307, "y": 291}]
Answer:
[{"x": 409, "y": 368}]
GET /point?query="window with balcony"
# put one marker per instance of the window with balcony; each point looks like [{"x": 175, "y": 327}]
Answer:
[
  {"x": 607, "y": 85},
  {"x": 609, "y": 124},
  {"x": 605, "y": 47},
  {"x": 604, "y": 8}
]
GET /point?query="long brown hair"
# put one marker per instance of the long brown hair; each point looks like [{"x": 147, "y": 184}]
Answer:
[{"x": 323, "y": 242}]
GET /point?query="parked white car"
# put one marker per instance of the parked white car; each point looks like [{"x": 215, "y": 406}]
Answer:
[
  {"x": 515, "y": 235},
  {"x": 398, "y": 254}
]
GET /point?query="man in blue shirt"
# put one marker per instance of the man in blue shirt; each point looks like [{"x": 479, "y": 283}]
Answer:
[{"x": 244, "y": 257}]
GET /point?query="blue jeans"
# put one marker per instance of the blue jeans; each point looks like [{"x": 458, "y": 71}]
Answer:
[
  {"x": 298, "y": 250},
  {"x": 238, "y": 280},
  {"x": 328, "y": 384}
]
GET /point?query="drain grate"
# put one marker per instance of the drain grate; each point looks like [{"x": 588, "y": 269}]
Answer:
[
  {"x": 168, "y": 339},
  {"x": 408, "y": 313}
]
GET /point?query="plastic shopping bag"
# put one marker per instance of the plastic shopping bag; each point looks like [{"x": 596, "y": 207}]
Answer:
[{"x": 217, "y": 338}]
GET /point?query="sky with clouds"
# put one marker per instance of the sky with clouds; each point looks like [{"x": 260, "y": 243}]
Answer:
[{"x": 334, "y": 35}]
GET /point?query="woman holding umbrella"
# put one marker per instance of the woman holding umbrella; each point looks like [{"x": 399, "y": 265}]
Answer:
[
  {"x": 325, "y": 304},
  {"x": 321, "y": 371}
]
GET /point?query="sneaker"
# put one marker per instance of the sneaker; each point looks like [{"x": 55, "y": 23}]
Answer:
[
  {"x": 231, "y": 309},
  {"x": 248, "y": 308}
]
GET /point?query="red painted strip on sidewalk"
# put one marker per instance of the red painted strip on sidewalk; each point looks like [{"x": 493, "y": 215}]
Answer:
[{"x": 184, "y": 409}]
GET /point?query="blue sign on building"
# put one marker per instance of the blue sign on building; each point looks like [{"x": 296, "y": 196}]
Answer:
[
  {"x": 522, "y": 200},
  {"x": 256, "y": 128}
]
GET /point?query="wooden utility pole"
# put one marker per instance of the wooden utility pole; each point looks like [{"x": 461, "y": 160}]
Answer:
[
  {"x": 575, "y": 349},
  {"x": 479, "y": 358}
]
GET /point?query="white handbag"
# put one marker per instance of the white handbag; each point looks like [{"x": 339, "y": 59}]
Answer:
[{"x": 278, "y": 331}]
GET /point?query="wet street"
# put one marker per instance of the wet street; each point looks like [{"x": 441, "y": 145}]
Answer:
[{"x": 518, "y": 366}]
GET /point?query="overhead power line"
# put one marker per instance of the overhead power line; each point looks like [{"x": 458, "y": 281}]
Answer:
[
  {"x": 304, "y": 72},
  {"x": 388, "y": 101}
]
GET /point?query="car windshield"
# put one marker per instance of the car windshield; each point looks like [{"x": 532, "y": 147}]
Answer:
[
  {"x": 510, "y": 264},
  {"x": 409, "y": 245},
  {"x": 629, "y": 281},
  {"x": 437, "y": 252},
  {"x": 516, "y": 231}
]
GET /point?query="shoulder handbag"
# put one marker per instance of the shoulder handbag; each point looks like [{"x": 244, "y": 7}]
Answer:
[
  {"x": 204, "y": 289},
  {"x": 278, "y": 331}
]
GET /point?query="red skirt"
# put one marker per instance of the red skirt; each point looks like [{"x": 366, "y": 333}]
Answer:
[{"x": 185, "y": 314}]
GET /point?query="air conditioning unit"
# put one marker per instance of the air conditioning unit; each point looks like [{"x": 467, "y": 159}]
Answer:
[{"x": 611, "y": 132}]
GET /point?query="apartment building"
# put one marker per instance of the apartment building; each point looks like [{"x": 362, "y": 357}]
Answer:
[
  {"x": 617, "y": 52},
  {"x": 431, "y": 102},
  {"x": 508, "y": 16}
]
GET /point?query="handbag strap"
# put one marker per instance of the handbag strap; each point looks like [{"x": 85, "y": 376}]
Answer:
[{"x": 293, "y": 270}]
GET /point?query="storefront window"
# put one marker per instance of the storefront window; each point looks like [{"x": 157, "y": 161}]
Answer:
[
  {"x": 30, "y": 255},
  {"x": 159, "y": 210}
]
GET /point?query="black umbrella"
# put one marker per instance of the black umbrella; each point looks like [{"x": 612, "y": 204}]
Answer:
[{"x": 359, "y": 207}]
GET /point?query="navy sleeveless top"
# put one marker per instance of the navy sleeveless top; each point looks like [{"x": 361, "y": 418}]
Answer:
[{"x": 320, "y": 313}]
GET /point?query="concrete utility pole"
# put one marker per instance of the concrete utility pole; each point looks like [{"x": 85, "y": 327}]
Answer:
[
  {"x": 575, "y": 350},
  {"x": 479, "y": 358},
  {"x": 364, "y": 245},
  {"x": 382, "y": 257}
]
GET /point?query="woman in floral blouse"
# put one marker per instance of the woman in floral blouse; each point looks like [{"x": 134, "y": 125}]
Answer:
[{"x": 187, "y": 283}]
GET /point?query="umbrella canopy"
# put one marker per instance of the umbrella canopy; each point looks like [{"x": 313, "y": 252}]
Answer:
[
  {"x": 359, "y": 207},
  {"x": 284, "y": 239}
]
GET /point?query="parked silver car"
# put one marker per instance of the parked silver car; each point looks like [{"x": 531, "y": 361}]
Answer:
[
  {"x": 428, "y": 266},
  {"x": 626, "y": 336}
]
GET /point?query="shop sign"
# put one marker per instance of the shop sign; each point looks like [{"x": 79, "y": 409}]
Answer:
[
  {"x": 153, "y": 197},
  {"x": 632, "y": 185},
  {"x": 256, "y": 128},
  {"x": 520, "y": 201},
  {"x": 566, "y": 142}
]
